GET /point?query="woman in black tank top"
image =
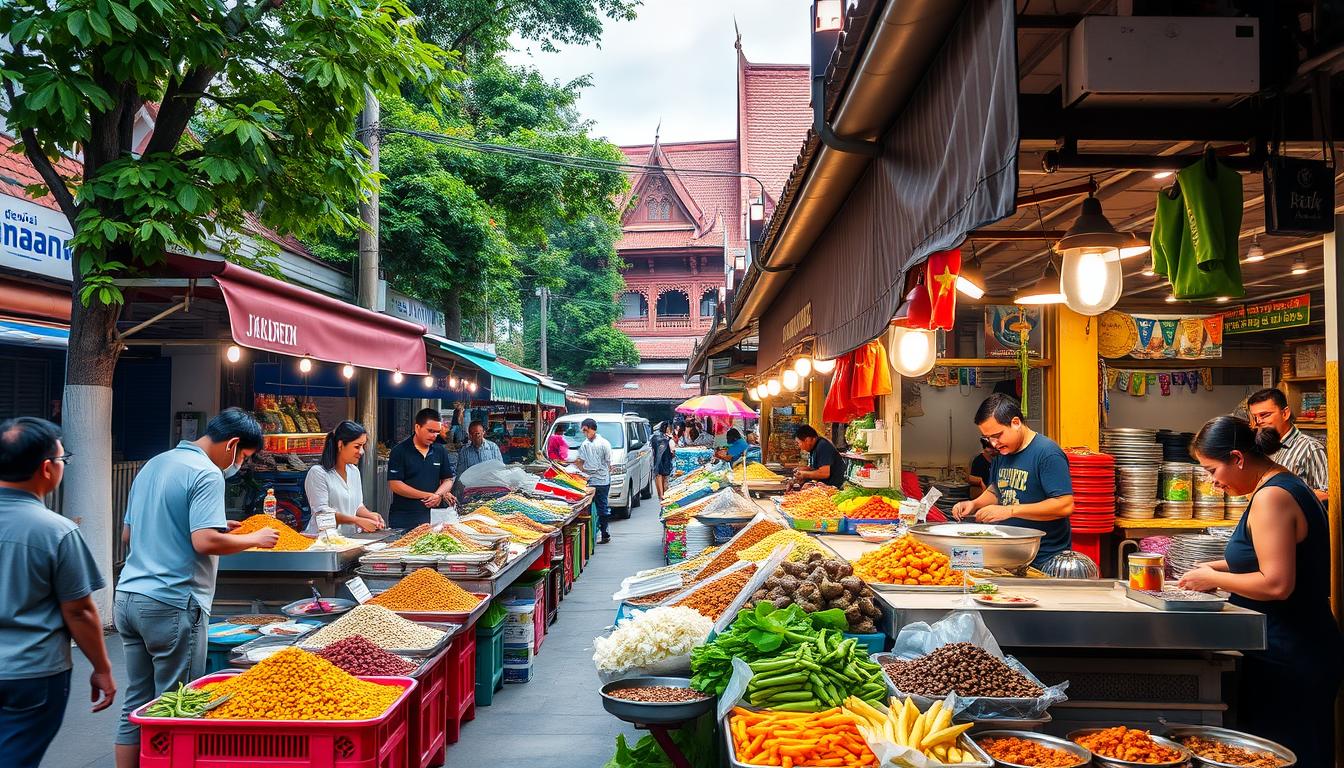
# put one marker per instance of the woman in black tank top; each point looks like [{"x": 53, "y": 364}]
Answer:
[{"x": 1277, "y": 563}]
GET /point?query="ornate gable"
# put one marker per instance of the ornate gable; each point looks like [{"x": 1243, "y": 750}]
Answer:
[{"x": 659, "y": 199}]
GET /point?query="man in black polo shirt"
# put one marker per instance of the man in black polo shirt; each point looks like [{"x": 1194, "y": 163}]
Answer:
[
  {"x": 825, "y": 465},
  {"x": 419, "y": 473}
]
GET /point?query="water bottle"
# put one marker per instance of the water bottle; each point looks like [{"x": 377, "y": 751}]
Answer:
[{"x": 268, "y": 506}]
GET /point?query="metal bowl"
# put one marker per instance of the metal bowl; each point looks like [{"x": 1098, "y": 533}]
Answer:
[
  {"x": 1071, "y": 565},
  {"x": 1010, "y": 547},
  {"x": 1233, "y": 738},
  {"x": 1110, "y": 762},
  {"x": 1052, "y": 742},
  {"x": 653, "y": 713},
  {"x": 339, "y": 607}
]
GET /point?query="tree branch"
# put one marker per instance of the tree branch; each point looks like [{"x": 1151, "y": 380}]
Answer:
[
  {"x": 32, "y": 149},
  {"x": 469, "y": 33}
]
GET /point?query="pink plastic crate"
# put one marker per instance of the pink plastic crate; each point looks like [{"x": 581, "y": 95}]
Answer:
[
  {"x": 428, "y": 716},
  {"x": 461, "y": 682},
  {"x": 168, "y": 742}
]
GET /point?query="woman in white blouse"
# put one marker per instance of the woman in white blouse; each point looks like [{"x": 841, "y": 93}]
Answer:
[{"x": 334, "y": 487}]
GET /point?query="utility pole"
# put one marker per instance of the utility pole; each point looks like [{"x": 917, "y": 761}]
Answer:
[
  {"x": 366, "y": 399},
  {"x": 545, "y": 301}
]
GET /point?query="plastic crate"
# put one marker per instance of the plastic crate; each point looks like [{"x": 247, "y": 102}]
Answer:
[
  {"x": 489, "y": 663},
  {"x": 428, "y": 715},
  {"x": 547, "y": 554},
  {"x": 461, "y": 683},
  {"x": 555, "y": 590},
  {"x": 170, "y": 742},
  {"x": 573, "y": 558},
  {"x": 532, "y": 586},
  {"x": 875, "y": 642}
]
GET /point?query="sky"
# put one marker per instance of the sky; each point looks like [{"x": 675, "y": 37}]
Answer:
[{"x": 676, "y": 64}]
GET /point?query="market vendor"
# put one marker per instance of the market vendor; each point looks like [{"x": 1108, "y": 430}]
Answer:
[
  {"x": 1277, "y": 562},
  {"x": 1028, "y": 484},
  {"x": 825, "y": 464},
  {"x": 753, "y": 447},
  {"x": 420, "y": 473},
  {"x": 978, "y": 477},
  {"x": 478, "y": 450},
  {"x": 333, "y": 485},
  {"x": 736, "y": 448},
  {"x": 1300, "y": 453}
]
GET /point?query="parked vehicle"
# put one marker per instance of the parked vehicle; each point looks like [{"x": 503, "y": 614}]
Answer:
[{"x": 631, "y": 454}]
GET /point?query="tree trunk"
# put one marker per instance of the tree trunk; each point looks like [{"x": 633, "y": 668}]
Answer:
[
  {"x": 86, "y": 419},
  {"x": 452, "y": 312}
]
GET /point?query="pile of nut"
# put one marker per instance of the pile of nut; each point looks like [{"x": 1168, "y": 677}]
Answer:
[
  {"x": 960, "y": 668},
  {"x": 657, "y": 694},
  {"x": 819, "y": 584},
  {"x": 358, "y": 656},
  {"x": 380, "y": 626}
]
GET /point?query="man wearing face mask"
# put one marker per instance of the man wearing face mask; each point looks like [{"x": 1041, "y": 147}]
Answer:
[{"x": 176, "y": 530}]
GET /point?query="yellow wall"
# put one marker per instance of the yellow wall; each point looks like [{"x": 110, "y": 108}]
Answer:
[{"x": 1072, "y": 380}]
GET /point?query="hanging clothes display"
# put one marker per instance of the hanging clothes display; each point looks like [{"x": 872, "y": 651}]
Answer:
[{"x": 1196, "y": 231}]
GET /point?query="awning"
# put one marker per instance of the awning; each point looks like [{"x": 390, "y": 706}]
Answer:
[
  {"x": 947, "y": 165},
  {"x": 29, "y": 334},
  {"x": 506, "y": 384},
  {"x": 551, "y": 395},
  {"x": 275, "y": 316}
]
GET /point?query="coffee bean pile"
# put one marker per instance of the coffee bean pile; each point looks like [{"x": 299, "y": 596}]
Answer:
[
  {"x": 657, "y": 694},
  {"x": 358, "y": 656},
  {"x": 960, "y": 668}
]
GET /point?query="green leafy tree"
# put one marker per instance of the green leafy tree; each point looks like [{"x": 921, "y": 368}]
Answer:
[
  {"x": 583, "y": 274},
  {"x": 482, "y": 28},
  {"x": 254, "y": 105}
]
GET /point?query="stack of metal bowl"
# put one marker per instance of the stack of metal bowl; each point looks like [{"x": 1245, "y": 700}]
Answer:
[
  {"x": 1209, "y": 504},
  {"x": 1236, "y": 507},
  {"x": 1188, "y": 550},
  {"x": 1132, "y": 447},
  {"x": 1136, "y": 491}
]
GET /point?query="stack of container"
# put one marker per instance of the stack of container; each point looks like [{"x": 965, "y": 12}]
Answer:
[
  {"x": 520, "y": 633},
  {"x": 1209, "y": 504}
]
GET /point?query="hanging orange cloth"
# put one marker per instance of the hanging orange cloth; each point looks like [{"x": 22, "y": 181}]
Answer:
[
  {"x": 881, "y": 369},
  {"x": 940, "y": 275},
  {"x": 839, "y": 404}
]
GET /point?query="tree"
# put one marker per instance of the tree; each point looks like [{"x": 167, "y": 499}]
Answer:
[
  {"x": 481, "y": 28},
  {"x": 583, "y": 274},
  {"x": 255, "y": 107}
]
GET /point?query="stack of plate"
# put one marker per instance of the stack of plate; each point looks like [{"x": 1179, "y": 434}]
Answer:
[
  {"x": 1176, "y": 445},
  {"x": 1093, "y": 476},
  {"x": 1132, "y": 447},
  {"x": 1177, "y": 510},
  {"x": 1138, "y": 491},
  {"x": 1190, "y": 549},
  {"x": 698, "y": 538}
]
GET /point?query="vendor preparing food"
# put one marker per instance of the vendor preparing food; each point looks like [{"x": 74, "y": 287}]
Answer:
[
  {"x": 1278, "y": 563},
  {"x": 1028, "y": 483},
  {"x": 825, "y": 464}
]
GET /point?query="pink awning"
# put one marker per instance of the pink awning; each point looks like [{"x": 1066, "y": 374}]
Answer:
[{"x": 272, "y": 315}]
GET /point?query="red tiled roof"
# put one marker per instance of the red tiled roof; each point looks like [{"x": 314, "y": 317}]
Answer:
[
  {"x": 715, "y": 197},
  {"x": 635, "y": 386},
  {"x": 774, "y": 114},
  {"x": 665, "y": 349},
  {"x": 16, "y": 168}
]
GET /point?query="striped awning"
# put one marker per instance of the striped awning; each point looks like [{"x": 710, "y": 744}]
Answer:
[{"x": 506, "y": 384}]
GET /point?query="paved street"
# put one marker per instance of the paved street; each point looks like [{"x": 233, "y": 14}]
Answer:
[{"x": 556, "y": 720}]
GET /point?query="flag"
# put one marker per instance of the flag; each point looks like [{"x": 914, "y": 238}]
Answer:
[{"x": 940, "y": 273}]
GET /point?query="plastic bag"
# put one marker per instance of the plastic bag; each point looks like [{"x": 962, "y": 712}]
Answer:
[
  {"x": 920, "y": 639},
  {"x": 637, "y": 586},
  {"x": 728, "y": 503},
  {"x": 496, "y": 473},
  {"x": 673, "y": 666},
  {"x": 736, "y": 691}
]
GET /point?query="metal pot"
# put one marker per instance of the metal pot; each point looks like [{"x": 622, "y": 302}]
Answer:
[
  {"x": 1006, "y": 546},
  {"x": 1071, "y": 565}
]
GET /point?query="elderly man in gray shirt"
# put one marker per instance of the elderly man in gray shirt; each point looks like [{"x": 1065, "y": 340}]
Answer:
[
  {"x": 478, "y": 450},
  {"x": 49, "y": 577},
  {"x": 595, "y": 462}
]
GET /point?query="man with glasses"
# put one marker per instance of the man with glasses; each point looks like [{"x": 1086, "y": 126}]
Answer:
[
  {"x": 420, "y": 473},
  {"x": 1028, "y": 485},
  {"x": 1300, "y": 454},
  {"x": 50, "y": 577},
  {"x": 176, "y": 529}
]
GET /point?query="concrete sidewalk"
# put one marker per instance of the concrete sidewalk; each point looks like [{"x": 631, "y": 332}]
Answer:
[{"x": 555, "y": 720}]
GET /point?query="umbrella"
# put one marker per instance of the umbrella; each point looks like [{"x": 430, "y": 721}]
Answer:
[{"x": 717, "y": 405}]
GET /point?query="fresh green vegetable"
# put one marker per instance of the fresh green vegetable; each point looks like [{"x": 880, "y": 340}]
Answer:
[
  {"x": 183, "y": 702},
  {"x": 437, "y": 543},
  {"x": 800, "y": 662},
  {"x": 985, "y": 588},
  {"x": 696, "y": 741},
  {"x": 854, "y": 492}
]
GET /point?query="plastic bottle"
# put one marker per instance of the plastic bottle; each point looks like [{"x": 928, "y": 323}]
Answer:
[{"x": 268, "y": 506}]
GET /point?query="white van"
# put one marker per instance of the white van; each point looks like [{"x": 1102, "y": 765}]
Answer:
[{"x": 631, "y": 454}]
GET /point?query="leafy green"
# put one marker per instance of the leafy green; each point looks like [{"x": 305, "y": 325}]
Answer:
[
  {"x": 763, "y": 632},
  {"x": 696, "y": 742}
]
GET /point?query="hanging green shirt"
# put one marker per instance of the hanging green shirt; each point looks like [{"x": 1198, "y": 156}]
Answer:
[{"x": 1195, "y": 241}]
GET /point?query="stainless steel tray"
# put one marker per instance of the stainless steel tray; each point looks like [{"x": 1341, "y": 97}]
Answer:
[
  {"x": 1234, "y": 738},
  {"x": 1209, "y": 604},
  {"x": 308, "y": 561},
  {"x": 340, "y": 607},
  {"x": 449, "y": 632},
  {"x": 1110, "y": 762},
  {"x": 1050, "y": 742},
  {"x": 653, "y": 713}
]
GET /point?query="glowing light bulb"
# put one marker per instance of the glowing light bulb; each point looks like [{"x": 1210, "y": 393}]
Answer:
[
  {"x": 823, "y": 366},
  {"x": 348, "y": 371},
  {"x": 428, "y": 381},
  {"x": 397, "y": 378},
  {"x": 791, "y": 380},
  {"x": 772, "y": 386},
  {"x": 916, "y": 352},
  {"x": 233, "y": 353},
  {"x": 305, "y": 365},
  {"x": 802, "y": 366}
]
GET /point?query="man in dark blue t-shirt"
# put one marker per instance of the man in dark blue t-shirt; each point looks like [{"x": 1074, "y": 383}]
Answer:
[
  {"x": 825, "y": 464},
  {"x": 1028, "y": 484}
]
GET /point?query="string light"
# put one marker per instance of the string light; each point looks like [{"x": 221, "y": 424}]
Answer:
[
  {"x": 305, "y": 365},
  {"x": 397, "y": 378},
  {"x": 802, "y": 366},
  {"x": 823, "y": 367},
  {"x": 348, "y": 371},
  {"x": 233, "y": 353}
]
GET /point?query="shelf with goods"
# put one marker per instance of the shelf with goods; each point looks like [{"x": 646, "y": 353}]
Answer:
[
  {"x": 785, "y": 417},
  {"x": 1302, "y": 380}
]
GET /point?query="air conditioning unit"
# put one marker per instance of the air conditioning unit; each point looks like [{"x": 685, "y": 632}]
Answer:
[{"x": 1161, "y": 61}]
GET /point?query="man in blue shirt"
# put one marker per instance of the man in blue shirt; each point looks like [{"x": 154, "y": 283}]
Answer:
[
  {"x": 419, "y": 473},
  {"x": 176, "y": 529},
  {"x": 1028, "y": 485},
  {"x": 735, "y": 449},
  {"x": 49, "y": 577}
]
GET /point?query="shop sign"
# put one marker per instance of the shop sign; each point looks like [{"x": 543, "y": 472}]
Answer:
[
  {"x": 800, "y": 323},
  {"x": 261, "y": 328},
  {"x": 1299, "y": 196},
  {"x": 1269, "y": 315},
  {"x": 403, "y": 306},
  {"x": 34, "y": 238}
]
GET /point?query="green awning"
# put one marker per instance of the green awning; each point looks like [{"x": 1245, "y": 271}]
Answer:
[
  {"x": 506, "y": 384},
  {"x": 554, "y": 397}
]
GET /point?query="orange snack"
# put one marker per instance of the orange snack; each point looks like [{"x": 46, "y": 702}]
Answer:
[
  {"x": 907, "y": 561},
  {"x": 813, "y": 503},
  {"x": 788, "y": 739},
  {"x": 711, "y": 600},
  {"x": 1017, "y": 751},
  {"x": 290, "y": 539},
  {"x": 426, "y": 590},
  {"x": 728, "y": 555},
  {"x": 412, "y": 536},
  {"x": 1121, "y": 743}
]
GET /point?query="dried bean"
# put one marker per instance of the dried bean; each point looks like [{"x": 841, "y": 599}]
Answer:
[
  {"x": 963, "y": 668},
  {"x": 661, "y": 694}
]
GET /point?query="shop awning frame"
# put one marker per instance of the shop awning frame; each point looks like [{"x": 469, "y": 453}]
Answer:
[{"x": 506, "y": 384}]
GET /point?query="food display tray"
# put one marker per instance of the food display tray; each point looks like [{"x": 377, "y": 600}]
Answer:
[
  {"x": 653, "y": 713},
  {"x": 1050, "y": 742},
  {"x": 1211, "y": 605},
  {"x": 341, "y": 607},
  {"x": 1233, "y": 738},
  {"x": 307, "y": 561},
  {"x": 964, "y": 743},
  {"x": 465, "y": 618},
  {"x": 449, "y": 632},
  {"x": 1110, "y": 762}
]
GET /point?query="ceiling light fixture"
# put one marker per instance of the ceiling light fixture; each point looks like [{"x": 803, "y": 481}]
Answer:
[
  {"x": 305, "y": 365},
  {"x": 914, "y": 351},
  {"x": 348, "y": 371},
  {"x": 233, "y": 354},
  {"x": 791, "y": 380},
  {"x": 971, "y": 278},
  {"x": 823, "y": 367},
  {"x": 1299, "y": 265},
  {"x": 397, "y": 377},
  {"x": 802, "y": 366},
  {"x": 1044, "y": 291}
]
